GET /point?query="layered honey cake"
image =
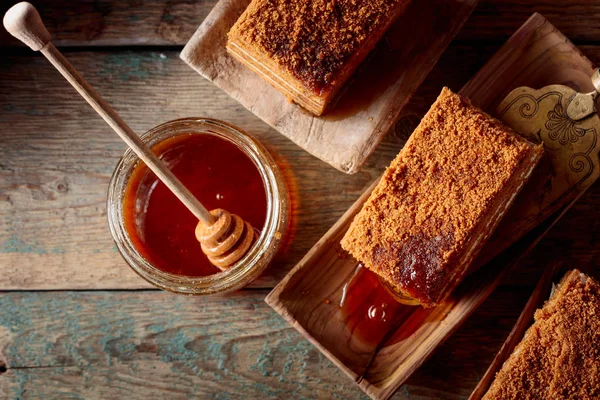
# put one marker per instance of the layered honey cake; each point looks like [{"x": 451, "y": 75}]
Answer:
[
  {"x": 309, "y": 49},
  {"x": 559, "y": 356},
  {"x": 440, "y": 199}
]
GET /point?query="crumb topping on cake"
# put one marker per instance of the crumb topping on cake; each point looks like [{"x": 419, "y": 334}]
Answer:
[
  {"x": 430, "y": 200},
  {"x": 312, "y": 39},
  {"x": 559, "y": 357}
]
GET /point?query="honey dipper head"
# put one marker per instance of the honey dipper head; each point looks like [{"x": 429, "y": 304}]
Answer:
[{"x": 227, "y": 240}]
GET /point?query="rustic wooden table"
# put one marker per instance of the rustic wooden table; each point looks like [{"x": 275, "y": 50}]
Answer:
[{"x": 76, "y": 322}]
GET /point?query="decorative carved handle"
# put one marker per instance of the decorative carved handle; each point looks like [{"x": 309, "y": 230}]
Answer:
[{"x": 584, "y": 104}]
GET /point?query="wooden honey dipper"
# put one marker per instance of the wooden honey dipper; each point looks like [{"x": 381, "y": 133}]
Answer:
[{"x": 225, "y": 238}]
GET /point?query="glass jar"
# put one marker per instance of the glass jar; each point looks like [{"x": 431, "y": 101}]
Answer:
[{"x": 261, "y": 253}]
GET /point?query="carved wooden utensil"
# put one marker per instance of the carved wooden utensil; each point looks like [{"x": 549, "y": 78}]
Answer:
[
  {"x": 567, "y": 122},
  {"x": 225, "y": 238}
]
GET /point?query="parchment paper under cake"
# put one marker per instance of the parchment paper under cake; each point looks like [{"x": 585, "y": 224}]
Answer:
[{"x": 346, "y": 135}]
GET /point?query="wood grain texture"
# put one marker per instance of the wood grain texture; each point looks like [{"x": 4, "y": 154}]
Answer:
[
  {"x": 74, "y": 345},
  {"x": 370, "y": 103},
  {"x": 137, "y": 22},
  {"x": 56, "y": 158},
  {"x": 117, "y": 23},
  {"x": 56, "y": 165},
  {"x": 156, "y": 346},
  {"x": 498, "y": 19},
  {"x": 537, "y": 55},
  {"x": 73, "y": 235}
]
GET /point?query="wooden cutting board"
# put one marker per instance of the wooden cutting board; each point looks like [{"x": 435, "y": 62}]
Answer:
[
  {"x": 537, "y": 55},
  {"x": 347, "y": 134}
]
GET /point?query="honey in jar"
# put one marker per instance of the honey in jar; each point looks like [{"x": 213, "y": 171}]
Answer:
[{"x": 217, "y": 172}]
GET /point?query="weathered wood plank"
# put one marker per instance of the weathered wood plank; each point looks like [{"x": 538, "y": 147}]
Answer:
[
  {"x": 498, "y": 19},
  {"x": 57, "y": 157},
  {"x": 125, "y": 23},
  {"x": 152, "y": 344},
  {"x": 136, "y": 22}
]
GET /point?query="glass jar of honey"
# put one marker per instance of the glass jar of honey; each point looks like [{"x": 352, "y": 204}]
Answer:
[{"x": 225, "y": 168}]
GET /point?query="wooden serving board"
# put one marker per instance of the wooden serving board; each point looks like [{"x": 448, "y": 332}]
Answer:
[
  {"x": 536, "y": 55},
  {"x": 346, "y": 135},
  {"x": 553, "y": 273},
  {"x": 541, "y": 293}
]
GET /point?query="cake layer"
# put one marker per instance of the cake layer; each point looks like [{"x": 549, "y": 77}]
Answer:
[
  {"x": 308, "y": 50},
  {"x": 282, "y": 80},
  {"x": 440, "y": 199},
  {"x": 559, "y": 356}
]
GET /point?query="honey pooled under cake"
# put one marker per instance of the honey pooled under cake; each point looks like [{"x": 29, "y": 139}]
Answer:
[
  {"x": 308, "y": 49},
  {"x": 559, "y": 356},
  {"x": 440, "y": 199}
]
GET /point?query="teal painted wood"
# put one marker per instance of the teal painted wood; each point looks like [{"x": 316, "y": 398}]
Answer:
[
  {"x": 155, "y": 345},
  {"x": 149, "y": 344}
]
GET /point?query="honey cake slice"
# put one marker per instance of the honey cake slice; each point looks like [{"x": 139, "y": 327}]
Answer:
[
  {"x": 440, "y": 200},
  {"x": 308, "y": 49},
  {"x": 559, "y": 356}
]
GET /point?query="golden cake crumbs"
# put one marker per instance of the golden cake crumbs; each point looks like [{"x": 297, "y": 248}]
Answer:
[
  {"x": 313, "y": 39},
  {"x": 559, "y": 356},
  {"x": 308, "y": 49},
  {"x": 440, "y": 199}
]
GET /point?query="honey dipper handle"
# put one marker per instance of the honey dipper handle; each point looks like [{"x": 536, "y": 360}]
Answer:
[{"x": 23, "y": 22}]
